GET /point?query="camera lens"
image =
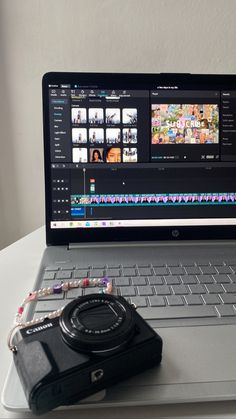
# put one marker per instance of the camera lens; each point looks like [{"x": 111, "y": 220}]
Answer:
[{"x": 97, "y": 323}]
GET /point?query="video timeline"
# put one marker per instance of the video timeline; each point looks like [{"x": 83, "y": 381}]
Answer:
[{"x": 152, "y": 199}]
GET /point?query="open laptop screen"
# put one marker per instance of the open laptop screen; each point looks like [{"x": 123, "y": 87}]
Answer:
[{"x": 138, "y": 153}]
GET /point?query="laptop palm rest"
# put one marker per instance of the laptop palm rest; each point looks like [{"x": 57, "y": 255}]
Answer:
[{"x": 191, "y": 355}]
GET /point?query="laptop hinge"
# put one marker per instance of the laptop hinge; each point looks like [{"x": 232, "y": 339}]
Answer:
[
  {"x": 103, "y": 245},
  {"x": 167, "y": 243}
]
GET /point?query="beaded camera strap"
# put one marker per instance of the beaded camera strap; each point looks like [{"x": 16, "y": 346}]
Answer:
[{"x": 104, "y": 283}]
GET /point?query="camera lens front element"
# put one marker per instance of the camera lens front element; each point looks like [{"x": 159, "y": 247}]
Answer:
[
  {"x": 97, "y": 323},
  {"x": 97, "y": 317}
]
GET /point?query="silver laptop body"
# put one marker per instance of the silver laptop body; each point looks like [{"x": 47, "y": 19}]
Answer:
[{"x": 139, "y": 179}]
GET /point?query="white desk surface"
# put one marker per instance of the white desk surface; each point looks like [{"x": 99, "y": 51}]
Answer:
[{"x": 18, "y": 267}]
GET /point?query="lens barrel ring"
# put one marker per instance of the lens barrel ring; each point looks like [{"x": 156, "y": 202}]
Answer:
[{"x": 97, "y": 323}]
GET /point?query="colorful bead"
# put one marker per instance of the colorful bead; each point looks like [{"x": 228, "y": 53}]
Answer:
[
  {"x": 65, "y": 286},
  {"x": 101, "y": 291},
  {"x": 73, "y": 284},
  {"x": 104, "y": 281},
  {"x": 85, "y": 282},
  {"x": 20, "y": 310},
  {"x": 57, "y": 289},
  {"x": 32, "y": 297},
  {"x": 109, "y": 288}
]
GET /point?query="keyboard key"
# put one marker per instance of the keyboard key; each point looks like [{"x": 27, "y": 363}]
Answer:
[
  {"x": 193, "y": 270},
  {"x": 129, "y": 271},
  {"x": 80, "y": 273},
  {"x": 185, "y": 263},
  {"x": 145, "y": 290},
  {"x": 205, "y": 279},
  {"x": 127, "y": 291},
  {"x": 233, "y": 277},
  {"x": 193, "y": 299},
  {"x": 180, "y": 312},
  {"x": 228, "y": 298},
  {"x": 91, "y": 290},
  {"x": 233, "y": 267},
  {"x": 177, "y": 270},
  {"x": 189, "y": 279},
  {"x": 216, "y": 262},
  {"x": 38, "y": 314},
  {"x": 74, "y": 293},
  {"x": 49, "y": 305},
  {"x": 97, "y": 266},
  {"x": 172, "y": 280},
  {"x": 139, "y": 280},
  {"x": 221, "y": 279},
  {"x": 226, "y": 310},
  {"x": 122, "y": 281},
  {"x": 202, "y": 262},
  {"x": 82, "y": 267},
  {"x": 63, "y": 274},
  {"x": 52, "y": 268},
  {"x": 173, "y": 264},
  {"x": 211, "y": 299},
  {"x": 49, "y": 283},
  {"x": 208, "y": 270},
  {"x": 66, "y": 267},
  {"x": 156, "y": 301},
  {"x": 174, "y": 300},
  {"x": 49, "y": 275},
  {"x": 230, "y": 288},
  {"x": 96, "y": 273},
  {"x": 52, "y": 297},
  {"x": 112, "y": 272},
  {"x": 146, "y": 271},
  {"x": 161, "y": 271},
  {"x": 224, "y": 270},
  {"x": 139, "y": 301},
  {"x": 214, "y": 288},
  {"x": 180, "y": 289},
  {"x": 162, "y": 290},
  {"x": 155, "y": 280},
  {"x": 197, "y": 289}
]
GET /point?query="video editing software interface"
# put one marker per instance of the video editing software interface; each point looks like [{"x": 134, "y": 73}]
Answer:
[{"x": 140, "y": 157}]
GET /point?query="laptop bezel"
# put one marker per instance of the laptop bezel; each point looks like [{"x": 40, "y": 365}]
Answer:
[{"x": 112, "y": 234}]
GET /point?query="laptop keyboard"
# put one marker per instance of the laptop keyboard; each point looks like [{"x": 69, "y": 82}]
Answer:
[{"x": 163, "y": 291}]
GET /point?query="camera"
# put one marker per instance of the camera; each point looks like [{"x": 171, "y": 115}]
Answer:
[{"x": 97, "y": 341}]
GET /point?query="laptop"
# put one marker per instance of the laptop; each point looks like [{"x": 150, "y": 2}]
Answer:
[{"x": 140, "y": 187}]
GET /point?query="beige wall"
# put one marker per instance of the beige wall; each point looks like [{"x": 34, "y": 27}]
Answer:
[{"x": 37, "y": 36}]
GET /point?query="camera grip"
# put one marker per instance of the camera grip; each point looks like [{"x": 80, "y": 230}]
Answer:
[{"x": 33, "y": 364}]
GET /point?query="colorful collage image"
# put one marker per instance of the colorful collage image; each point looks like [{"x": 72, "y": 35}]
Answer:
[
  {"x": 101, "y": 155},
  {"x": 185, "y": 124},
  {"x": 104, "y": 135}
]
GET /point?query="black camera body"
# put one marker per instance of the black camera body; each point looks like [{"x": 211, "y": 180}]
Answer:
[{"x": 97, "y": 341}]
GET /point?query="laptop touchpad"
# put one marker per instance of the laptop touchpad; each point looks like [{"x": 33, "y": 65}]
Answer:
[{"x": 198, "y": 364}]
